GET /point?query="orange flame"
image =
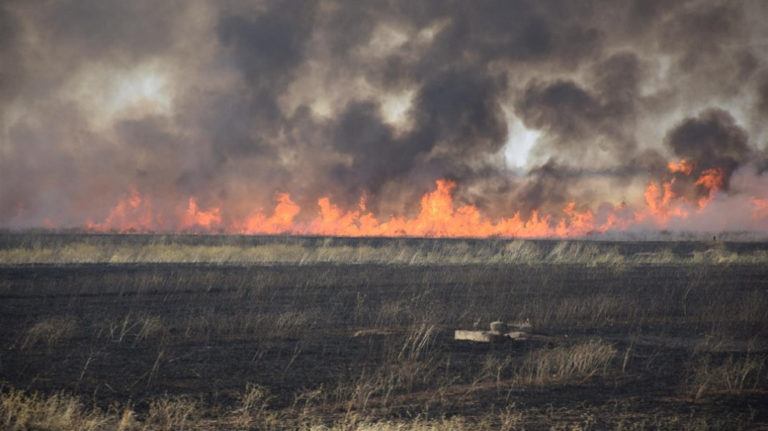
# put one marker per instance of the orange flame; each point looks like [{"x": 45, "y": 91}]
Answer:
[
  {"x": 280, "y": 221},
  {"x": 760, "y": 208},
  {"x": 438, "y": 215},
  {"x": 131, "y": 214},
  {"x": 195, "y": 218},
  {"x": 712, "y": 181},
  {"x": 661, "y": 204},
  {"x": 683, "y": 166}
]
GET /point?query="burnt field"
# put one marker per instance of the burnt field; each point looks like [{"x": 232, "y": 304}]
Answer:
[{"x": 151, "y": 332}]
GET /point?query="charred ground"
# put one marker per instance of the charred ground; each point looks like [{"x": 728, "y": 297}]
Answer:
[{"x": 632, "y": 334}]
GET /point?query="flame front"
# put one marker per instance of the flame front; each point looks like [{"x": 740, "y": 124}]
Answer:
[
  {"x": 193, "y": 217},
  {"x": 438, "y": 215},
  {"x": 280, "y": 221},
  {"x": 131, "y": 214}
]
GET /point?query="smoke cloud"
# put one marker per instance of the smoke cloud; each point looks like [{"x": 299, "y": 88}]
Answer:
[{"x": 370, "y": 103}]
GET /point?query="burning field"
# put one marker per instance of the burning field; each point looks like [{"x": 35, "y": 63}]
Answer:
[
  {"x": 442, "y": 119},
  {"x": 678, "y": 198},
  {"x": 275, "y": 214}
]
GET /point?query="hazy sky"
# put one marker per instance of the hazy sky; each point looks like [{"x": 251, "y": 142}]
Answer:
[{"x": 525, "y": 105}]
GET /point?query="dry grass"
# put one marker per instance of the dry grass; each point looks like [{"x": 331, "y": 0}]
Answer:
[
  {"x": 361, "y": 424},
  {"x": 134, "y": 327},
  {"x": 593, "y": 309},
  {"x": 172, "y": 414},
  {"x": 559, "y": 364},
  {"x": 20, "y": 411},
  {"x": 253, "y": 412},
  {"x": 407, "y": 365},
  {"x": 49, "y": 332},
  {"x": 586, "y": 253},
  {"x": 92, "y": 249},
  {"x": 731, "y": 376}
]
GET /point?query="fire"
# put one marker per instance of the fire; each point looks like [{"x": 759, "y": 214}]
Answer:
[
  {"x": 659, "y": 201},
  {"x": 662, "y": 203},
  {"x": 438, "y": 215},
  {"x": 760, "y": 208},
  {"x": 580, "y": 222},
  {"x": 280, "y": 221},
  {"x": 683, "y": 166},
  {"x": 712, "y": 181},
  {"x": 132, "y": 213},
  {"x": 195, "y": 218}
]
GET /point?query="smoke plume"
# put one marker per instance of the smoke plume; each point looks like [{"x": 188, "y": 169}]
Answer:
[{"x": 521, "y": 117}]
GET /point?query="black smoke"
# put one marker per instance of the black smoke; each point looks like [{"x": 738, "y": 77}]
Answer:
[
  {"x": 236, "y": 101},
  {"x": 712, "y": 140}
]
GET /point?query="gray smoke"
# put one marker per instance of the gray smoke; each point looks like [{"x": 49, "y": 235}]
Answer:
[{"x": 233, "y": 102}]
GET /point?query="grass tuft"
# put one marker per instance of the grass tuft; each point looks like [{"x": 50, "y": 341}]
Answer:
[
  {"x": 49, "y": 332},
  {"x": 20, "y": 411},
  {"x": 560, "y": 364}
]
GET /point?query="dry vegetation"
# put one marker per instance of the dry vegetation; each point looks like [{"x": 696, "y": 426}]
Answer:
[
  {"x": 222, "y": 250},
  {"x": 172, "y": 333}
]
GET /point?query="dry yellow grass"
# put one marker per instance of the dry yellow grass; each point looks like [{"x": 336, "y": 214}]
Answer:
[
  {"x": 20, "y": 411},
  {"x": 392, "y": 252},
  {"x": 558, "y": 364},
  {"x": 732, "y": 376}
]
